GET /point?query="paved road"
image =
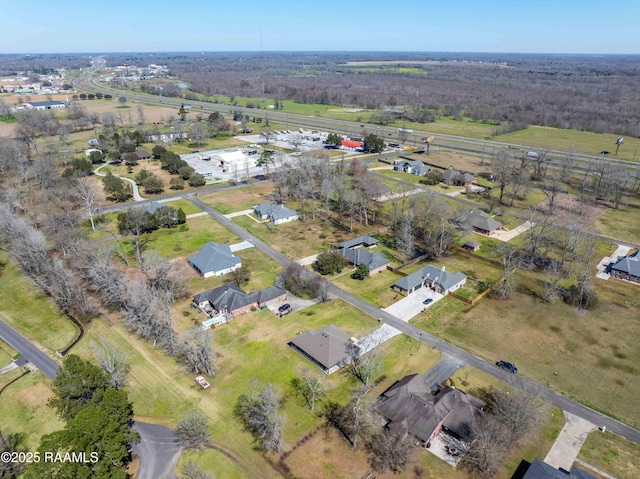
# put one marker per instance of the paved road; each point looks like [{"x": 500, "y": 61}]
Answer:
[
  {"x": 446, "y": 348},
  {"x": 158, "y": 451},
  {"x": 28, "y": 351}
]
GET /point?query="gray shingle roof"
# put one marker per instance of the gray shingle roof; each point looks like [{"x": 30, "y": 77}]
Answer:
[
  {"x": 541, "y": 470},
  {"x": 214, "y": 257},
  {"x": 45, "y": 103},
  {"x": 327, "y": 346},
  {"x": 266, "y": 294},
  {"x": 409, "y": 406},
  {"x": 481, "y": 220},
  {"x": 364, "y": 240},
  {"x": 362, "y": 256},
  {"x": 446, "y": 279},
  {"x": 629, "y": 264},
  {"x": 226, "y": 297},
  {"x": 274, "y": 212}
]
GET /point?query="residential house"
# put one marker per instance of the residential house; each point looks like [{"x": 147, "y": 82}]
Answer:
[
  {"x": 326, "y": 348},
  {"x": 275, "y": 213},
  {"x": 438, "y": 279},
  {"x": 481, "y": 222},
  {"x": 229, "y": 299},
  {"x": 361, "y": 241},
  {"x": 415, "y": 167},
  {"x": 627, "y": 268},
  {"x": 214, "y": 260},
  {"x": 409, "y": 407},
  {"x": 375, "y": 262},
  {"x": 541, "y": 470},
  {"x": 457, "y": 178},
  {"x": 140, "y": 155}
]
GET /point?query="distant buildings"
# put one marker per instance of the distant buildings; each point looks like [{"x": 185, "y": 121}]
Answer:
[
  {"x": 44, "y": 105},
  {"x": 415, "y": 167}
]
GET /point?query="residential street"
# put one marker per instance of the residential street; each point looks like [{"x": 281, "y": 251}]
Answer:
[
  {"x": 28, "y": 351},
  {"x": 458, "y": 354},
  {"x": 158, "y": 451}
]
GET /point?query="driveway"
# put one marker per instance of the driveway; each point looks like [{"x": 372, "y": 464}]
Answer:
[
  {"x": 620, "y": 251},
  {"x": 239, "y": 246},
  {"x": 408, "y": 307},
  {"x": 158, "y": 451},
  {"x": 564, "y": 451},
  {"x": 506, "y": 235},
  {"x": 134, "y": 185},
  {"x": 443, "y": 370}
]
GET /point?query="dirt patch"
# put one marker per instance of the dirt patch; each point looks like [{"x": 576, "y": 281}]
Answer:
[{"x": 567, "y": 207}]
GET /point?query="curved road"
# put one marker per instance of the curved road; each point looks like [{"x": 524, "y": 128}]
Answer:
[{"x": 550, "y": 396}]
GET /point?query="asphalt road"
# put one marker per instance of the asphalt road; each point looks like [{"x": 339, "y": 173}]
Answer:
[
  {"x": 158, "y": 451},
  {"x": 457, "y": 354},
  {"x": 28, "y": 351}
]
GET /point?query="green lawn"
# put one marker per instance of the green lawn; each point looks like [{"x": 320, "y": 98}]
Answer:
[
  {"x": 612, "y": 454},
  {"x": 375, "y": 289},
  {"x": 185, "y": 239},
  {"x": 29, "y": 311},
  {"x": 238, "y": 199},
  {"x": 187, "y": 206},
  {"x": 580, "y": 141},
  {"x": 594, "y": 355},
  {"x": 6, "y": 353},
  {"x": 622, "y": 224},
  {"x": 23, "y": 409}
]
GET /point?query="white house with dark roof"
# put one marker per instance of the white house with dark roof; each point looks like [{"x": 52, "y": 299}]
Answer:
[
  {"x": 415, "y": 167},
  {"x": 214, "y": 260},
  {"x": 275, "y": 213},
  {"x": 45, "y": 105},
  {"x": 438, "y": 279}
]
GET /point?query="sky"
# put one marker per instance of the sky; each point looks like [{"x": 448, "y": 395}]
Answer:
[{"x": 513, "y": 26}]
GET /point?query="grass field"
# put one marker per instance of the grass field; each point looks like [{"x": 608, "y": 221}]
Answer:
[
  {"x": 580, "y": 141},
  {"x": 594, "y": 355},
  {"x": 29, "y": 311},
  {"x": 187, "y": 206},
  {"x": 23, "y": 409},
  {"x": 239, "y": 199},
  {"x": 622, "y": 224},
  {"x": 185, "y": 239},
  {"x": 6, "y": 353},
  {"x": 611, "y": 454}
]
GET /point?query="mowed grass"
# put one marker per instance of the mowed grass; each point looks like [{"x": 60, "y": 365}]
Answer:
[
  {"x": 23, "y": 409},
  {"x": 580, "y": 141},
  {"x": 612, "y": 454},
  {"x": 29, "y": 311},
  {"x": 595, "y": 356},
  {"x": 223, "y": 464},
  {"x": 6, "y": 353},
  {"x": 375, "y": 289},
  {"x": 622, "y": 224},
  {"x": 187, "y": 206},
  {"x": 185, "y": 239},
  {"x": 239, "y": 199}
]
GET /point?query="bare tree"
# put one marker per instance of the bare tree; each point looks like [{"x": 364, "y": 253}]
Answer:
[
  {"x": 85, "y": 191},
  {"x": 511, "y": 259},
  {"x": 538, "y": 234},
  {"x": 191, "y": 470},
  {"x": 141, "y": 117},
  {"x": 113, "y": 361},
  {"x": 393, "y": 451},
  {"x": 359, "y": 412},
  {"x": 404, "y": 237},
  {"x": 311, "y": 387},
  {"x": 193, "y": 431},
  {"x": 162, "y": 276},
  {"x": 487, "y": 449},
  {"x": 364, "y": 359},
  {"x": 502, "y": 169},
  {"x": 196, "y": 352},
  {"x": 258, "y": 410}
]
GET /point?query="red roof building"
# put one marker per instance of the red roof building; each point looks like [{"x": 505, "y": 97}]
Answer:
[{"x": 351, "y": 144}]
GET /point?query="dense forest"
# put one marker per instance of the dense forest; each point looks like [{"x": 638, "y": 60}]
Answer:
[{"x": 599, "y": 93}]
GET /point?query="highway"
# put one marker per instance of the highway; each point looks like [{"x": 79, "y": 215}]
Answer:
[
  {"x": 460, "y": 355},
  {"x": 583, "y": 162}
]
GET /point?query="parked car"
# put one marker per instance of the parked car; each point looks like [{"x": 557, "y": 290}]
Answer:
[
  {"x": 428, "y": 301},
  {"x": 507, "y": 366},
  {"x": 284, "y": 308}
]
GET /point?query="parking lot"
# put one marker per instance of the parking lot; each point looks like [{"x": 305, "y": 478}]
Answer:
[
  {"x": 212, "y": 172},
  {"x": 307, "y": 140}
]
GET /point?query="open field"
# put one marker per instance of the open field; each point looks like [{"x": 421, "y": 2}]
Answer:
[
  {"x": 299, "y": 239},
  {"x": 185, "y": 239},
  {"x": 186, "y": 205},
  {"x": 23, "y": 409},
  {"x": 594, "y": 355},
  {"x": 239, "y": 199},
  {"x": 25, "y": 308},
  {"x": 623, "y": 224},
  {"x": 611, "y": 454},
  {"x": 6, "y": 353}
]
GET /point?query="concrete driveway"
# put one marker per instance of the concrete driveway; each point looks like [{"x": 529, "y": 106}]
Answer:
[
  {"x": 412, "y": 305},
  {"x": 569, "y": 442}
]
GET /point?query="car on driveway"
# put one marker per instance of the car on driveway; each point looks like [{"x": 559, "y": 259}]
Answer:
[
  {"x": 507, "y": 366},
  {"x": 284, "y": 308},
  {"x": 428, "y": 301}
]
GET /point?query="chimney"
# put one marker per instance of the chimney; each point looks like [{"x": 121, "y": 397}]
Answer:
[{"x": 443, "y": 268}]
